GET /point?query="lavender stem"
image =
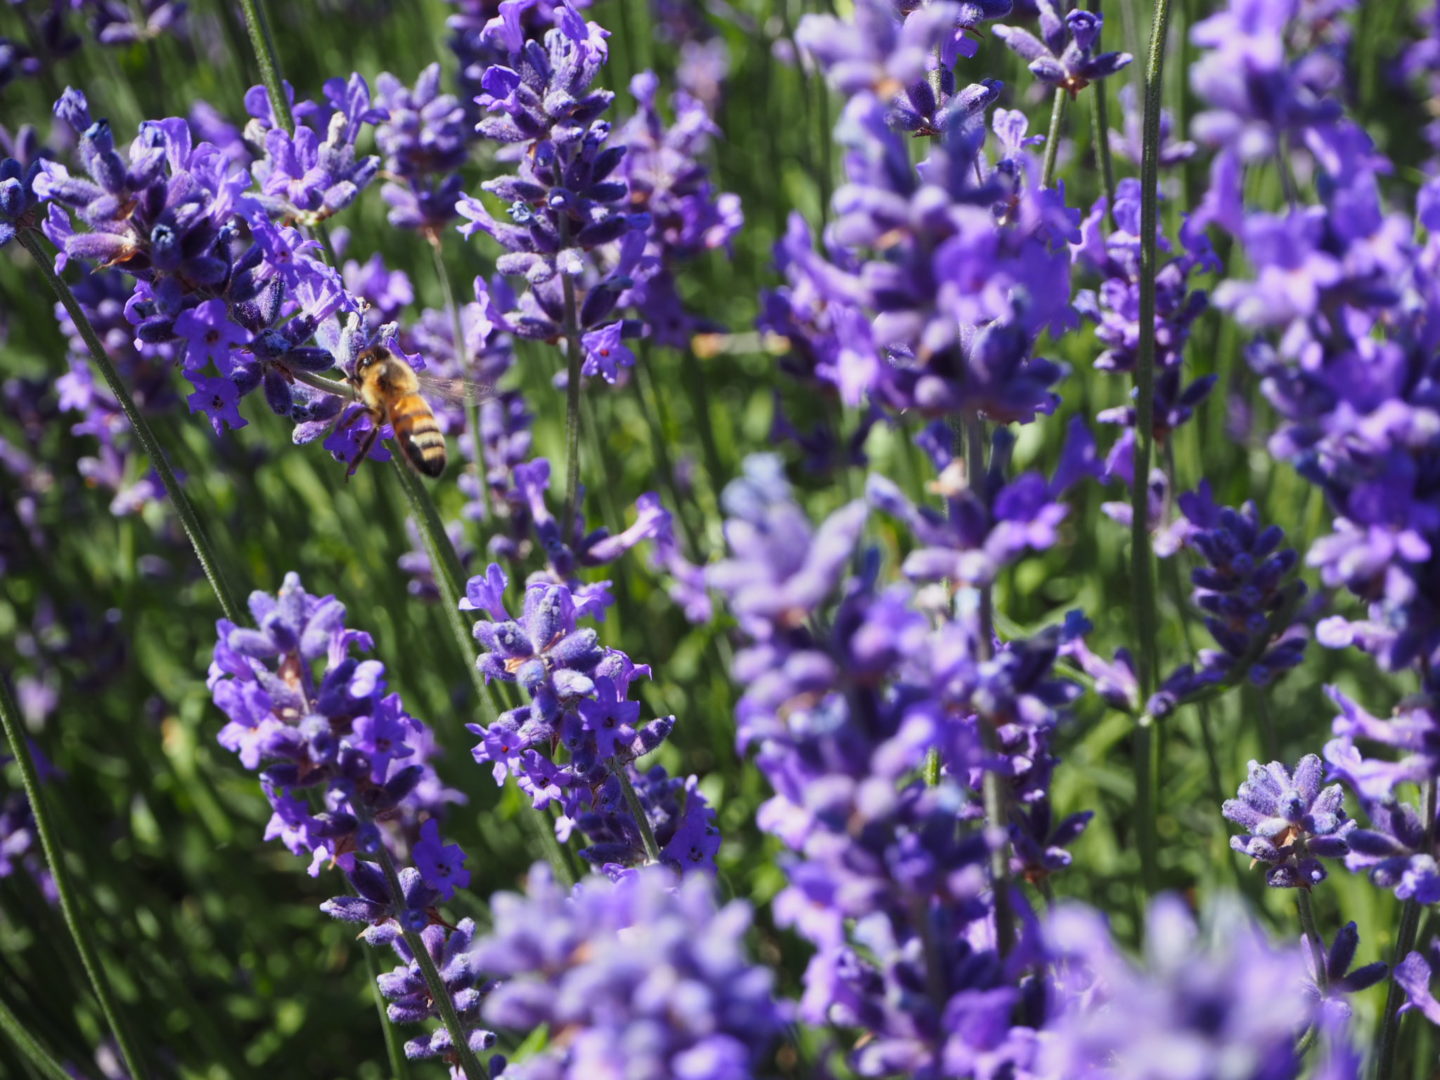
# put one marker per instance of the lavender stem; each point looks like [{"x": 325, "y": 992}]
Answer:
[
  {"x": 469, "y": 1064},
  {"x": 264, "y": 47},
  {"x": 1389, "y": 1041},
  {"x": 632, "y": 800},
  {"x": 1052, "y": 141},
  {"x": 1146, "y": 617},
  {"x": 75, "y": 920},
  {"x": 183, "y": 509},
  {"x": 34, "y": 1053}
]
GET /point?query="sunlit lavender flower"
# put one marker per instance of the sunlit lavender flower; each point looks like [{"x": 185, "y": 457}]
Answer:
[
  {"x": 579, "y": 696},
  {"x": 1064, "y": 54},
  {"x": 688, "y": 217},
  {"x": 1291, "y": 821},
  {"x": 566, "y": 202},
  {"x": 425, "y": 139},
  {"x": 648, "y": 976},
  {"x": 336, "y": 732},
  {"x": 842, "y": 702},
  {"x": 1227, "y": 996},
  {"x": 161, "y": 216}
]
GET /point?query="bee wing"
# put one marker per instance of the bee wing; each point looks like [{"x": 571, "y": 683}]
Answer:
[{"x": 455, "y": 390}]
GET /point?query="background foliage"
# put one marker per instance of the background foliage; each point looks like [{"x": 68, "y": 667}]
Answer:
[{"x": 214, "y": 939}]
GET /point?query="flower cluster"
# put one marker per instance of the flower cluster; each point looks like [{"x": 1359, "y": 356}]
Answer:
[
  {"x": 1064, "y": 55},
  {"x": 647, "y": 977},
  {"x": 576, "y": 742},
  {"x": 567, "y": 204},
  {"x": 935, "y": 281},
  {"x": 345, "y": 769},
  {"x": 325, "y": 727},
  {"x": 843, "y": 707},
  {"x": 667, "y": 181},
  {"x": 1250, "y": 599},
  {"x": 1192, "y": 1006},
  {"x": 425, "y": 139},
  {"x": 1115, "y": 307},
  {"x": 1291, "y": 819}
]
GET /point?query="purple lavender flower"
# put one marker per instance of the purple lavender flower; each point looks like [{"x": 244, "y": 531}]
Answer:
[
  {"x": 1413, "y": 729},
  {"x": 565, "y": 202},
  {"x": 579, "y": 698},
  {"x": 1064, "y": 55},
  {"x": 336, "y": 732},
  {"x": 311, "y": 174},
  {"x": 1413, "y": 974},
  {"x": 481, "y": 33},
  {"x": 1291, "y": 820},
  {"x": 1245, "y": 591},
  {"x": 17, "y": 196},
  {"x": 161, "y": 216},
  {"x": 937, "y": 281},
  {"x": 116, "y": 23},
  {"x": 1339, "y": 979},
  {"x": 647, "y": 975},
  {"x": 452, "y": 951},
  {"x": 1238, "y": 1000},
  {"x": 1259, "y": 101},
  {"x": 842, "y": 703},
  {"x": 1115, "y": 307},
  {"x": 686, "y": 216},
  {"x": 425, "y": 139}
]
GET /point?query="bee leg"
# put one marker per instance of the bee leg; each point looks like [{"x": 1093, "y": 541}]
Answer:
[{"x": 364, "y": 451}]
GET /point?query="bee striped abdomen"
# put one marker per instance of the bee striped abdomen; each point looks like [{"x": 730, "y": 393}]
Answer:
[{"x": 418, "y": 434}]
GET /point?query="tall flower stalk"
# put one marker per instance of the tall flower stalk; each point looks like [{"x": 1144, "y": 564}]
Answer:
[
  {"x": 1147, "y": 621},
  {"x": 76, "y": 920}
]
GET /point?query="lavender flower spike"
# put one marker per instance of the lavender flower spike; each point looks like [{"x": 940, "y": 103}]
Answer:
[{"x": 1291, "y": 820}]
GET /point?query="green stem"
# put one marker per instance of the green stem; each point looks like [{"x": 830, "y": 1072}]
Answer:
[
  {"x": 1176, "y": 586},
  {"x": 660, "y": 444},
  {"x": 993, "y": 793},
  {"x": 394, "y": 1048},
  {"x": 1146, "y": 617},
  {"x": 1100, "y": 130},
  {"x": 34, "y": 1053},
  {"x": 642, "y": 822},
  {"x": 449, "y": 576},
  {"x": 264, "y": 46},
  {"x": 1052, "y": 141},
  {"x": 1312, "y": 936},
  {"x": 1385, "y": 1068},
  {"x": 457, "y": 328},
  {"x": 75, "y": 920},
  {"x": 700, "y": 405},
  {"x": 151, "y": 445},
  {"x": 469, "y": 1063}
]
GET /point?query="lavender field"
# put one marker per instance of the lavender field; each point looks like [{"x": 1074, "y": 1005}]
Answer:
[{"x": 720, "y": 539}]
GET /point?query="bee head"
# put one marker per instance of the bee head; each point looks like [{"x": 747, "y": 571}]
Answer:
[{"x": 367, "y": 359}]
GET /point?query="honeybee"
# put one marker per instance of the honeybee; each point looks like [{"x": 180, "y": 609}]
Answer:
[{"x": 390, "y": 389}]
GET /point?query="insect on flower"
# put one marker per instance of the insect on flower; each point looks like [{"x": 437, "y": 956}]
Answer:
[{"x": 389, "y": 389}]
